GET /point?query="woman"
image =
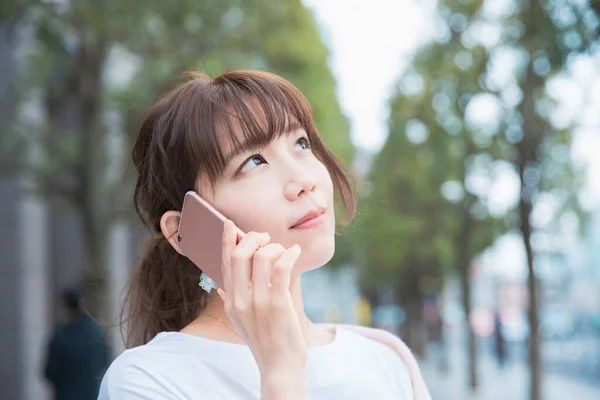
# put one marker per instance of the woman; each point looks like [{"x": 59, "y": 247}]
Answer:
[{"x": 247, "y": 143}]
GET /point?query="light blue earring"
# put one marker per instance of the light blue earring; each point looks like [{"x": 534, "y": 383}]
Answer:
[{"x": 206, "y": 283}]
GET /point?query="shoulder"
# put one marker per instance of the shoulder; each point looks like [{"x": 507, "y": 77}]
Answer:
[
  {"x": 131, "y": 373},
  {"x": 376, "y": 334},
  {"x": 60, "y": 336},
  {"x": 387, "y": 343},
  {"x": 385, "y": 340},
  {"x": 409, "y": 362},
  {"x": 156, "y": 370},
  {"x": 380, "y": 337},
  {"x": 170, "y": 366},
  {"x": 383, "y": 358}
]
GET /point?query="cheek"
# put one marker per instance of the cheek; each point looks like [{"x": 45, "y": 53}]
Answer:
[
  {"x": 325, "y": 183},
  {"x": 250, "y": 210}
]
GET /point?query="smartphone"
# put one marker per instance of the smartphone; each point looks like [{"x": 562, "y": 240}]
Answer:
[{"x": 200, "y": 235}]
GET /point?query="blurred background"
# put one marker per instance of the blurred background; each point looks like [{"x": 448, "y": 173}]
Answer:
[{"x": 473, "y": 128}]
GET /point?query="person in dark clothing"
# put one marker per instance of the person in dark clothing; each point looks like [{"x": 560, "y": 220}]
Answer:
[
  {"x": 78, "y": 354},
  {"x": 499, "y": 341}
]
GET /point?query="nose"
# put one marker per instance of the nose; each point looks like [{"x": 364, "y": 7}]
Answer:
[{"x": 301, "y": 182}]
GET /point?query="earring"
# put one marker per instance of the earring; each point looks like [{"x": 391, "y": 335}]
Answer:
[{"x": 206, "y": 283}]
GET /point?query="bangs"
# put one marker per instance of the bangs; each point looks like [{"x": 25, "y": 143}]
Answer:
[{"x": 245, "y": 112}]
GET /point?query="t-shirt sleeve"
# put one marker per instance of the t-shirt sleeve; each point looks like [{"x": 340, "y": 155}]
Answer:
[
  {"x": 128, "y": 379},
  {"x": 402, "y": 377},
  {"x": 397, "y": 369},
  {"x": 392, "y": 364}
]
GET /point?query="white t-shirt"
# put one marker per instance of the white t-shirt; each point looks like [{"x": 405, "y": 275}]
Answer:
[{"x": 176, "y": 365}]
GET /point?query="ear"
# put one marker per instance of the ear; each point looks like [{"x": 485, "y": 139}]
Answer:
[{"x": 169, "y": 225}]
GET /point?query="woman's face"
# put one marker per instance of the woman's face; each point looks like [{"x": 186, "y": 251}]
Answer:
[{"x": 272, "y": 189}]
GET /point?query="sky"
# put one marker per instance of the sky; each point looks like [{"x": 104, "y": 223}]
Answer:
[{"x": 370, "y": 45}]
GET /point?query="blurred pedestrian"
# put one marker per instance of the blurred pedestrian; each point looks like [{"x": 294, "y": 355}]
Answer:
[
  {"x": 78, "y": 354},
  {"x": 499, "y": 342}
]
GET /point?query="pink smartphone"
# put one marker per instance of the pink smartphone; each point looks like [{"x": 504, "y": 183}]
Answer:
[{"x": 200, "y": 235}]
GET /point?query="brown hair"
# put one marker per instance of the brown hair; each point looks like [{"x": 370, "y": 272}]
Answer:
[{"x": 179, "y": 140}]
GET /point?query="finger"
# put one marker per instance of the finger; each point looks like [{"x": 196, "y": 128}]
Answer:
[
  {"x": 228, "y": 245},
  {"x": 282, "y": 269},
  {"x": 240, "y": 234},
  {"x": 241, "y": 262},
  {"x": 221, "y": 293},
  {"x": 261, "y": 268}
]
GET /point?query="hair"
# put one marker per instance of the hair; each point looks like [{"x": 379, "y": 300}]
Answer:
[
  {"x": 71, "y": 298},
  {"x": 181, "y": 140}
]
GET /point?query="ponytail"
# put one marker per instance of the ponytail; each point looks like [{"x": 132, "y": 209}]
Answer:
[{"x": 162, "y": 294}]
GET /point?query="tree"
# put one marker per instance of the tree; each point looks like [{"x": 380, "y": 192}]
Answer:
[
  {"x": 11, "y": 143},
  {"x": 554, "y": 32}
]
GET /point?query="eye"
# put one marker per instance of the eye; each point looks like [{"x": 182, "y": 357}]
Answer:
[
  {"x": 251, "y": 163},
  {"x": 304, "y": 143}
]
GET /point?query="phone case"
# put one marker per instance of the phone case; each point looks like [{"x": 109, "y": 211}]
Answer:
[{"x": 200, "y": 235}]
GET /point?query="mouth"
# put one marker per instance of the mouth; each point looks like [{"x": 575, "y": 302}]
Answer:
[{"x": 311, "y": 219}]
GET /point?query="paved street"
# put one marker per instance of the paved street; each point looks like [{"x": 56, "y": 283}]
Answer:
[
  {"x": 510, "y": 383},
  {"x": 578, "y": 359}
]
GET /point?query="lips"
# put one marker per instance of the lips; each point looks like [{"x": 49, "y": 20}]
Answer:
[{"x": 309, "y": 216}]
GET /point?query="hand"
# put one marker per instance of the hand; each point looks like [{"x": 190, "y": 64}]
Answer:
[{"x": 258, "y": 301}]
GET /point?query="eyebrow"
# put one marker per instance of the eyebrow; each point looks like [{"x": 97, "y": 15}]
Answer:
[{"x": 251, "y": 145}]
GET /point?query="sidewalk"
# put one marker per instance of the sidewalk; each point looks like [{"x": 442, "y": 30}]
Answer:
[{"x": 510, "y": 383}]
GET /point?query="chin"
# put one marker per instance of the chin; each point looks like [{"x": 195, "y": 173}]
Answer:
[{"x": 316, "y": 254}]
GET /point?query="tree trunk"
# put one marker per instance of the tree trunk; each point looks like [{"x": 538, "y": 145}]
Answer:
[
  {"x": 464, "y": 261},
  {"x": 75, "y": 114},
  {"x": 417, "y": 334},
  {"x": 410, "y": 296},
  {"x": 95, "y": 204},
  {"x": 534, "y": 341},
  {"x": 527, "y": 149},
  {"x": 527, "y": 162},
  {"x": 95, "y": 275}
]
